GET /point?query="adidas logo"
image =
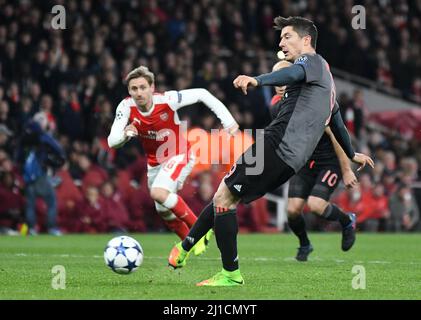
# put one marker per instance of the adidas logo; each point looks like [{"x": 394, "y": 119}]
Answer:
[
  {"x": 238, "y": 187},
  {"x": 190, "y": 239}
]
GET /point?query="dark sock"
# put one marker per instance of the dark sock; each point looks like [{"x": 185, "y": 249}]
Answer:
[
  {"x": 333, "y": 213},
  {"x": 298, "y": 226},
  {"x": 202, "y": 225},
  {"x": 226, "y": 230}
]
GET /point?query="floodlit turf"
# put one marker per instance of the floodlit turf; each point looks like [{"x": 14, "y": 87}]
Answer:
[{"x": 392, "y": 265}]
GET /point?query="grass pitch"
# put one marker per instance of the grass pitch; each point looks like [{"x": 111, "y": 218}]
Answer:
[{"x": 392, "y": 264}]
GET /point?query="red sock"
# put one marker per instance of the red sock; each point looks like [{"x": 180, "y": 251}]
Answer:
[
  {"x": 178, "y": 226},
  {"x": 183, "y": 212}
]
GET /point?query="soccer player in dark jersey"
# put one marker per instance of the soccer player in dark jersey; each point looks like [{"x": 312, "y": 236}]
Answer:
[
  {"x": 316, "y": 181},
  {"x": 279, "y": 152}
]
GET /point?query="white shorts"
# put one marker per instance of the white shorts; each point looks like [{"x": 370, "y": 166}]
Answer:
[{"x": 171, "y": 174}]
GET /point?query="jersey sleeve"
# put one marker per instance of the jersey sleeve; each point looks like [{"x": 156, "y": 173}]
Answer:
[
  {"x": 179, "y": 99},
  {"x": 116, "y": 138},
  {"x": 341, "y": 133},
  {"x": 312, "y": 65},
  {"x": 284, "y": 76},
  {"x": 335, "y": 107}
]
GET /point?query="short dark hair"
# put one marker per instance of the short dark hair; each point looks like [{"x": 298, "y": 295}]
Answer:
[{"x": 304, "y": 27}]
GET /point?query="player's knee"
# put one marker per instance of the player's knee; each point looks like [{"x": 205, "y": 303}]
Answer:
[
  {"x": 317, "y": 205},
  {"x": 159, "y": 195},
  {"x": 295, "y": 207},
  {"x": 223, "y": 198},
  {"x": 293, "y": 212}
]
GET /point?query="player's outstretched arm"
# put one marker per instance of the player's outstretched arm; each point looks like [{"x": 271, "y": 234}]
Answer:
[
  {"x": 348, "y": 176},
  {"x": 340, "y": 132},
  {"x": 282, "y": 77},
  {"x": 191, "y": 96},
  {"x": 119, "y": 133},
  {"x": 342, "y": 136}
]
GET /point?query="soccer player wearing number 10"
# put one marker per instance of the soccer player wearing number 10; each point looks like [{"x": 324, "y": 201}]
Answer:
[
  {"x": 288, "y": 143},
  {"x": 317, "y": 180},
  {"x": 153, "y": 119}
]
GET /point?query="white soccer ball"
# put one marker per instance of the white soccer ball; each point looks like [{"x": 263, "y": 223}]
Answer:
[{"x": 123, "y": 255}]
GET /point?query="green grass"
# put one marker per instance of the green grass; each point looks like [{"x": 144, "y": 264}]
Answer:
[{"x": 392, "y": 264}]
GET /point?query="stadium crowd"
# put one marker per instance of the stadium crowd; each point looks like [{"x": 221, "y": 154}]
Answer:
[{"x": 71, "y": 80}]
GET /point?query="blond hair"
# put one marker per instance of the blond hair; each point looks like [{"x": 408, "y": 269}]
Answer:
[{"x": 141, "y": 72}]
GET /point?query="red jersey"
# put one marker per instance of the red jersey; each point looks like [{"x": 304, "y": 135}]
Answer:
[{"x": 159, "y": 129}]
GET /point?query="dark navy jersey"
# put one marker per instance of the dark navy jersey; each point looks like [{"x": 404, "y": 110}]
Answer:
[
  {"x": 324, "y": 149},
  {"x": 306, "y": 110}
]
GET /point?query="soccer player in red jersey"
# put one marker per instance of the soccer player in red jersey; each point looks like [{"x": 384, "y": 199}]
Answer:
[{"x": 152, "y": 118}]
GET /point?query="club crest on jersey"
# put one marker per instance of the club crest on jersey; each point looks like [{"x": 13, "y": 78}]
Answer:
[
  {"x": 164, "y": 116},
  {"x": 301, "y": 60}
]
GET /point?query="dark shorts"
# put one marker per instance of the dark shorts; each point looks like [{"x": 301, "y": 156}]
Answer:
[
  {"x": 244, "y": 183},
  {"x": 316, "y": 178}
]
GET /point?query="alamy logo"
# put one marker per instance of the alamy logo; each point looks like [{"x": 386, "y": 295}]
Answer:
[
  {"x": 209, "y": 148},
  {"x": 58, "y": 22},
  {"x": 59, "y": 277},
  {"x": 238, "y": 187},
  {"x": 359, "y": 21},
  {"x": 359, "y": 280}
]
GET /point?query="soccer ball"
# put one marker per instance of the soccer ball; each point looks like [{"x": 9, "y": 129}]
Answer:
[{"x": 123, "y": 255}]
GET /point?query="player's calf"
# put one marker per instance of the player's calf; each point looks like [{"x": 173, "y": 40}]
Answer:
[
  {"x": 173, "y": 202},
  {"x": 347, "y": 221}
]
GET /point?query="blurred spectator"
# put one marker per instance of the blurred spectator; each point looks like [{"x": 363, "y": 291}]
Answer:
[
  {"x": 380, "y": 211},
  {"x": 389, "y": 182},
  {"x": 6, "y": 118},
  {"x": 142, "y": 213},
  {"x": 361, "y": 203},
  {"x": 68, "y": 196},
  {"x": 359, "y": 112},
  {"x": 90, "y": 173},
  {"x": 254, "y": 217},
  {"x": 5, "y": 142},
  {"x": 41, "y": 151},
  {"x": 404, "y": 212},
  {"x": 90, "y": 216},
  {"x": 117, "y": 215},
  {"x": 12, "y": 204}
]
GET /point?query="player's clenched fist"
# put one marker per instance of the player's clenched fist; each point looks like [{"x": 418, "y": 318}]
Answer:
[
  {"x": 130, "y": 131},
  {"x": 243, "y": 82}
]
